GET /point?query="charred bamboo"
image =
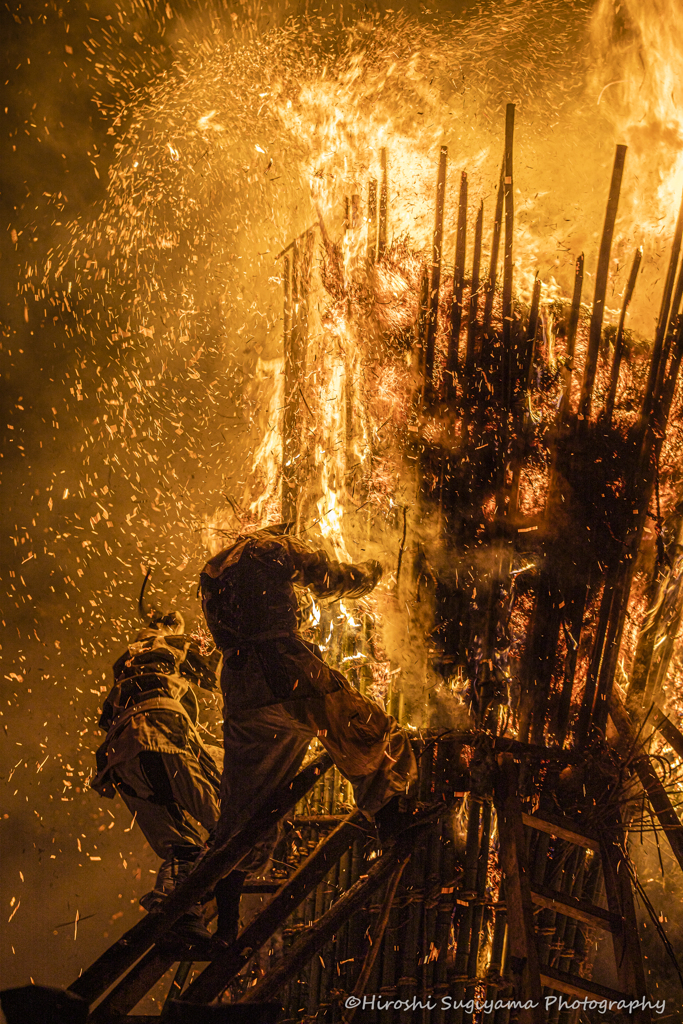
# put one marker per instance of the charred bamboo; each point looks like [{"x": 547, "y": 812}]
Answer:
[
  {"x": 663, "y": 319},
  {"x": 316, "y": 936},
  {"x": 507, "y": 359},
  {"x": 372, "y": 220},
  {"x": 601, "y": 276},
  {"x": 619, "y": 341},
  {"x": 572, "y": 325},
  {"x": 435, "y": 274},
  {"x": 453, "y": 357},
  {"x": 474, "y": 292},
  {"x": 383, "y": 207},
  {"x": 495, "y": 249}
]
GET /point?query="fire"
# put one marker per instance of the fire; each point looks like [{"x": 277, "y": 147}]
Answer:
[{"x": 640, "y": 44}]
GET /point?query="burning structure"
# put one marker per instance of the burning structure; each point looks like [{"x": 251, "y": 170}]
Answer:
[{"x": 512, "y": 455}]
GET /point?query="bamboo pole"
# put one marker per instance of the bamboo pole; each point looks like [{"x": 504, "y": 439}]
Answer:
[
  {"x": 323, "y": 929},
  {"x": 641, "y": 489},
  {"x": 572, "y": 326},
  {"x": 663, "y": 319},
  {"x": 507, "y": 355},
  {"x": 630, "y": 970},
  {"x": 453, "y": 358},
  {"x": 495, "y": 249},
  {"x": 523, "y": 955},
  {"x": 295, "y": 341},
  {"x": 474, "y": 291},
  {"x": 478, "y": 909},
  {"x": 619, "y": 341},
  {"x": 220, "y": 861},
  {"x": 372, "y": 220},
  {"x": 435, "y": 274},
  {"x": 383, "y": 207},
  {"x": 527, "y": 361},
  {"x": 601, "y": 285},
  {"x": 655, "y": 626},
  {"x": 377, "y": 936}
]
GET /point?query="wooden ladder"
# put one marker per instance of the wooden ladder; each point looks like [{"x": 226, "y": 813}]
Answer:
[{"x": 521, "y": 896}]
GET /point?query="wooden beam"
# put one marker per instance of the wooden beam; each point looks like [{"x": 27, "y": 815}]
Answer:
[
  {"x": 522, "y": 957},
  {"x": 571, "y": 906},
  {"x": 137, "y": 983},
  {"x": 220, "y": 861},
  {"x": 560, "y": 981},
  {"x": 563, "y": 828},
  {"x": 671, "y": 734}
]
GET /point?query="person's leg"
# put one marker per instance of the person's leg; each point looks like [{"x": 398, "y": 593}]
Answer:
[
  {"x": 195, "y": 781},
  {"x": 263, "y": 750},
  {"x": 145, "y": 785},
  {"x": 367, "y": 745}
]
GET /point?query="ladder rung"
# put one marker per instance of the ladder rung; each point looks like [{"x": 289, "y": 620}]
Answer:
[
  {"x": 563, "y": 828},
  {"x": 570, "y": 906},
  {"x": 571, "y": 985}
]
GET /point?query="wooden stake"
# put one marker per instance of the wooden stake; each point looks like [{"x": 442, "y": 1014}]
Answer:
[
  {"x": 601, "y": 285},
  {"x": 435, "y": 274}
]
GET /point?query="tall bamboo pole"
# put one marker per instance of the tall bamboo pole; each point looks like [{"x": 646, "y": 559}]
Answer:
[
  {"x": 383, "y": 207},
  {"x": 435, "y": 274},
  {"x": 458, "y": 281},
  {"x": 571, "y": 337},
  {"x": 474, "y": 291},
  {"x": 372, "y": 220},
  {"x": 507, "y": 355},
  {"x": 495, "y": 249},
  {"x": 619, "y": 340},
  {"x": 663, "y": 320},
  {"x": 601, "y": 285}
]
